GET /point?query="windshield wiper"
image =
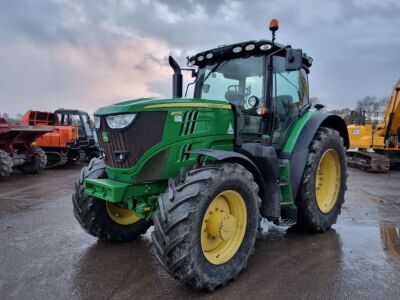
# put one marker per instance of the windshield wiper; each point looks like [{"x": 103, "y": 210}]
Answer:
[
  {"x": 221, "y": 63},
  {"x": 208, "y": 75},
  {"x": 215, "y": 69}
]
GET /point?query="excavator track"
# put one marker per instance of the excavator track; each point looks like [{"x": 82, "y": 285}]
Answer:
[
  {"x": 368, "y": 161},
  {"x": 56, "y": 159}
]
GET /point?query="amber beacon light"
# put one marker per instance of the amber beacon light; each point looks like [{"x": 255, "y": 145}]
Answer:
[{"x": 274, "y": 25}]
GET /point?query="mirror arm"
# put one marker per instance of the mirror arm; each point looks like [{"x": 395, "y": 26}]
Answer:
[
  {"x": 192, "y": 70},
  {"x": 279, "y": 50}
]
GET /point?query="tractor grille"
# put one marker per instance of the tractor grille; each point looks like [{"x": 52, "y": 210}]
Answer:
[
  {"x": 132, "y": 142},
  {"x": 189, "y": 122}
]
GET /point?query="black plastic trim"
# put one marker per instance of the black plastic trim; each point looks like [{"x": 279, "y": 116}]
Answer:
[
  {"x": 264, "y": 182},
  {"x": 298, "y": 156}
]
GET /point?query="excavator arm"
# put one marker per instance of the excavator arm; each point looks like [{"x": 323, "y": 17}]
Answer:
[
  {"x": 392, "y": 115},
  {"x": 384, "y": 140}
]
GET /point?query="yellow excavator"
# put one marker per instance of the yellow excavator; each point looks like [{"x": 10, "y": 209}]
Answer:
[{"x": 382, "y": 137}]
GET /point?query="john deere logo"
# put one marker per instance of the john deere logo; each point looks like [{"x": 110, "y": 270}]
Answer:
[{"x": 106, "y": 139}]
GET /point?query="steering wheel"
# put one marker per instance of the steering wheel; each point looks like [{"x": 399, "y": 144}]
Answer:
[{"x": 247, "y": 91}]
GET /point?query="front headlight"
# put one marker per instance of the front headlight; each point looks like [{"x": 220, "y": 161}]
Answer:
[
  {"x": 120, "y": 121},
  {"x": 96, "y": 122}
]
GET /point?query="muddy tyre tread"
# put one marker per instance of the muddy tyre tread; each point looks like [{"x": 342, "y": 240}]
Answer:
[
  {"x": 39, "y": 162},
  {"x": 309, "y": 217},
  {"x": 6, "y": 164},
  {"x": 174, "y": 235},
  {"x": 91, "y": 213}
]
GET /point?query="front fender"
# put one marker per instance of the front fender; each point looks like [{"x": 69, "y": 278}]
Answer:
[{"x": 235, "y": 157}]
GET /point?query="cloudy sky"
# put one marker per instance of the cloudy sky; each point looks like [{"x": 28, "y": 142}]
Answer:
[{"x": 86, "y": 54}]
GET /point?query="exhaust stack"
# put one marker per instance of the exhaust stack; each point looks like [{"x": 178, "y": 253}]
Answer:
[{"x": 176, "y": 78}]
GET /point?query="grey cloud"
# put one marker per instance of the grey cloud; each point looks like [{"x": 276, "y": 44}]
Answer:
[
  {"x": 354, "y": 43},
  {"x": 37, "y": 21}
]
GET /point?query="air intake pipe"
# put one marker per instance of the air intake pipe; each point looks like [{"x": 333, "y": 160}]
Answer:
[{"x": 176, "y": 78}]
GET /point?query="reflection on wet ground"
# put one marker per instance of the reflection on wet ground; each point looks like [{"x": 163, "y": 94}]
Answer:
[
  {"x": 45, "y": 254},
  {"x": 390, "y": 236}
]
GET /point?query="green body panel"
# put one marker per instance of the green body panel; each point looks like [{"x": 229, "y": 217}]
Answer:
[
  {"x": 296, "y": 130},
  {"x": 110, "y": 190},
  {"x": 284, "y": 175},
  {"x": 137, "y": 187},
  {"x": 148, "y": 104}
]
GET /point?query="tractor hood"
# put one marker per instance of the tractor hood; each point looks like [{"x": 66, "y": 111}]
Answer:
[{"x": 148, "y": 104}]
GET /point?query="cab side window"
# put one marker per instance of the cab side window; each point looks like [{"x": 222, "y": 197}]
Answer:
[
  {"x": 287, "y": 99},
  {"x": 305, "y": 97}
]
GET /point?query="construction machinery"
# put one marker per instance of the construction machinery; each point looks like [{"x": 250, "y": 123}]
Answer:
[
  {"x": 205, "y": 169},
  {"x": 72, "y": 139},
  {"x": 367, "y": 133},
  {"x": 87, "y": 141},
  {"x": 17, "y": 151}
]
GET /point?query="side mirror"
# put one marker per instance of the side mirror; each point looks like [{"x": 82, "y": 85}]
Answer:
[{"x": 294, "y": 59}]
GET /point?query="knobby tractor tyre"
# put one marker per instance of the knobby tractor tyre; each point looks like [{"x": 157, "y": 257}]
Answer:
[
  {"x": 206, "y": 224},
  {"x": 6, "y": 164},
  {"x": 37, "y": 163},
  {"x": 323, "y": 185},
  {"x": 101, "y": 218}
]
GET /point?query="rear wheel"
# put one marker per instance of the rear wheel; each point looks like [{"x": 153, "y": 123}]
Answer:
[
  {"x": 6, "y": 164},
  {"x": 324, "y": 182},
  {"x": 100, "y": 218},
  {"x": 206, "y": 225},
  {"x": 37, "y": 163}
]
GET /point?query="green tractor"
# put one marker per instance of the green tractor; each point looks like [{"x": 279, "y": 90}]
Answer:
[{"x": 204, "y": 170}]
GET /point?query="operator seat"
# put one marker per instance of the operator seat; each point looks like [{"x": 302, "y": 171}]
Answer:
[{"x": 283, "y": 109}]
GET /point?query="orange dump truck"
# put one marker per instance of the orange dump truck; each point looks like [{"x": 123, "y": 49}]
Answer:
[
  {"x": 60, "y": 144},
  {"x": 71, "y": 140}
]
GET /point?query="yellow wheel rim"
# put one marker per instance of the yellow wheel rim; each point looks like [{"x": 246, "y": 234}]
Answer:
[
  {"x": 327, "y": 181},
  {"x": 122, "y": 216},
  {"x": 224, "y": 226}
]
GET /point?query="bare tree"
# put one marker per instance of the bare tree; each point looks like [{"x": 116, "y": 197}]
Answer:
[
  {"x": 344, "y": 113},
  {"x": 372, "y": 104}
]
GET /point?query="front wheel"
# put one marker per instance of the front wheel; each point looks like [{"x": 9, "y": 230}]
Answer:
[
  {"x": 37, "y": 163},
  {"x": 6, "y": 164},
  {"x": 324, "y": 182},
  {"x": 100, "y": 218},
  {"x": 206, "y": 225}
]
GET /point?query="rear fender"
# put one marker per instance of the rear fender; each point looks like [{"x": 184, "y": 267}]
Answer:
[{"x": 299, "y": 153}]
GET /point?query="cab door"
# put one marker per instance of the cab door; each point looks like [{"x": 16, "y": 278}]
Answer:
[
  {"x": 250, "y": 125},
  {"x": 289, "y": 96}
]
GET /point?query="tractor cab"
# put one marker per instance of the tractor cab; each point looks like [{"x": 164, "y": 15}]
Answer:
[
  {"x": 266, "y": 82},
  {"x": 77, "y": 118},
  {"x": 87, "y": 141}
]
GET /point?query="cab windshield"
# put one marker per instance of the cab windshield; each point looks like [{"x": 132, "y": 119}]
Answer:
[{"x": 233, "y": 80}]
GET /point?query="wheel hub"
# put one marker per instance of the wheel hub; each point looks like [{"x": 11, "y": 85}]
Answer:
[
  {"x": 122, "y": 216},
  {"x": 221, "y": 225},
  {"x": 327, "y": 181},
  {"x": 224, "y": 226}
]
